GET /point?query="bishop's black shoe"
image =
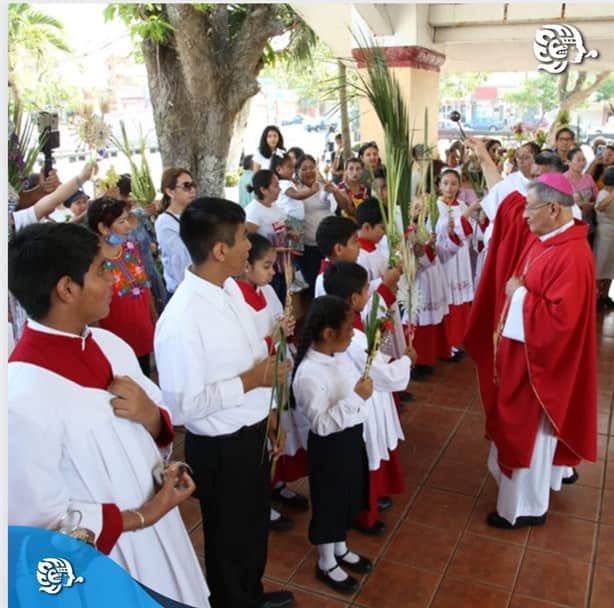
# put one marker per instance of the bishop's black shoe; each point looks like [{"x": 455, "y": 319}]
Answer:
[
  {"x": 572, "y": 478},
  {"x": 496, "y": 521}
]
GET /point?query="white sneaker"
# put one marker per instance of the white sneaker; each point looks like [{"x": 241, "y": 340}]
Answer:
[{"x": 299, "y": 279}]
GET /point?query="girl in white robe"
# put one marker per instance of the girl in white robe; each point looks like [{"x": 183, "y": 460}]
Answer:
[
  {"x": 268, "y": 315},
  {"x": 382, "y": 428},
  {"x": 454, "y": 230}
]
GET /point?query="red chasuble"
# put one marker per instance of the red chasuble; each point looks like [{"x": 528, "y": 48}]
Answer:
[
  {"x": 555, "y": 371},
  {"x": 509, "y": 237}
]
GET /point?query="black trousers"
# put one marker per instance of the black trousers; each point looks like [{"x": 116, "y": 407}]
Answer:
[{"x": 234, "y": 489}]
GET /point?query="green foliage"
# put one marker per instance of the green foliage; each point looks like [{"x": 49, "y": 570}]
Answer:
[
  {"x": 23, "y": 148},
  {"x": 141, "y": 184},
  {"x": 606, "y": 91},
  {"x": 459, "y": 85},
  {"x": 231, "y": 179},
  {"x": 383, "y": 90},
  {"x": 538, "y": 91},
  {"x": 145, "y": 21}
]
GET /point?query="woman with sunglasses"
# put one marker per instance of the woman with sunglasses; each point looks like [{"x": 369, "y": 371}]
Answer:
[
  {"x": 132, "y": 313},
  {"x": 178, "y": 191}
]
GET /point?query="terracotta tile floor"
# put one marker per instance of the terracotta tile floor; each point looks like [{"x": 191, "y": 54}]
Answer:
[{"x": 437, "y": 551}]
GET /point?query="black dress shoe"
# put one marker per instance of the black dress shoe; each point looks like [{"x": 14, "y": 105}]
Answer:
[
  {"x": 406, "y": 396},
  {"x": 384, "y": 503},
  {"x": 281, "y": 524},
  {"x": 297, "y": 502},
  {"x": 572, "y": 478},
  {"x": 417, "y": 375},
  {"x": 377, "y": 529},
  {"x": 277, "y": 599},
  {"x": 496, "y": 521},
  {"x": 425, "y": 370},
  {"x": 348, "y": 586},
  {"x": 362, "y": 566}
]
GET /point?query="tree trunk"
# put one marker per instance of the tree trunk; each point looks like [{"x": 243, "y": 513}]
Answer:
[
  {"x": 238, "y": 133},
  {"x": 574, "y": 97},
  {"x": 343, "y": 110},
  {"x": 200, "y": 80}
]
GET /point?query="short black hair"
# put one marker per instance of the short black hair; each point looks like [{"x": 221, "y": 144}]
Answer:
[
  {"x": 40, "y": 255},
  {"x": 334, "y": 230},
  {"x": 207, "y": 221},
  {"x": 550, "y": 159},
  {"x": 344, "y": 279},
  {"x": 104, "y": 210},
  {"x": 298, "y": 152},
  {"x": 564, "y": 130},
  {"x": 535, "y": 149},
  {"x": 248, "y": 162},
  {"x": 124, "y": 183},
  {"x": 261, "y": 179},
  {"x": 260, "y": 247},
  {"x": 573, "y": 152},
  {"x": 608, "y": 177},
  {"x": 278, "y": 160},
  {"x": 369, "y": 212}
]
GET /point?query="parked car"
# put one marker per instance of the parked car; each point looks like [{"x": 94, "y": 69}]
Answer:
[
  {"x": 297, "y": 119},
  {"x": 491, "y": 125},
  {"x": 604, "y": 131},
  {"x": 320, "y": 124}
]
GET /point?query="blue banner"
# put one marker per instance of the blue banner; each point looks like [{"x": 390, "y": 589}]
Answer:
[{"x": 48, "y": 569}]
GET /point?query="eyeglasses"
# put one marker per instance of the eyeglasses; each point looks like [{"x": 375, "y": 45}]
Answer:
[
  {"x": 186, "y": 186},
  {"x": 536, "y": 207}
]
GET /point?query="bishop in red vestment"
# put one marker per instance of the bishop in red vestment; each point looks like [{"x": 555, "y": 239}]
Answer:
[{"x": 541, "y": 405}]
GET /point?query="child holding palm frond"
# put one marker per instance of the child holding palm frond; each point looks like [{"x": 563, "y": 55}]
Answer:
[{"x": 269, "y": 317}]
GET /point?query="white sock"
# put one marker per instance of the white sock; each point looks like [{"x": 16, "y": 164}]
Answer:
[
  {"x": 327, "y": 561},
  {"x": 341, "y": 548},
  {"x": 275, "y": 515}
]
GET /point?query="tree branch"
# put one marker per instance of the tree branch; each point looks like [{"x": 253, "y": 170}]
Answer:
[{"x": 579, "y": 95}]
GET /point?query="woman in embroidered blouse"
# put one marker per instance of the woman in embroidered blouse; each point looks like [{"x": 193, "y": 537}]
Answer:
[{"x": 132, "y": 314}]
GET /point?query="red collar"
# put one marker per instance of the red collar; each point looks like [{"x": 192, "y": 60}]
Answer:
[
  {"x": 324, "y": 264},
  {"x": 78, "y": 359},
  {"x": 358, "y": 324},
  {"x": 449, "y": 203},
  {"x": 252, "y": 295},
  {"x": 366, "y": 245}
]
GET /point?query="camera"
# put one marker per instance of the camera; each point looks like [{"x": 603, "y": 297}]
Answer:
[
  {"x": 48, "y": 136},
  {"x": 601, "y": 149}
]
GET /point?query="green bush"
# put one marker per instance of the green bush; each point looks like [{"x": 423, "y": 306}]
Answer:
[{"x": 231, "y": 180}]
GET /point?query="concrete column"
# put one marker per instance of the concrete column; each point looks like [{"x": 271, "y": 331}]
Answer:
[{"x": 417, "y": 70}]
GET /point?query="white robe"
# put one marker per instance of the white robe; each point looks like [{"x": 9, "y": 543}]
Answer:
[
  {"x": 432, "y": 285},
  {"x": 456, "y": 267},
  {"x": 382, "y": 428},
  {"x": 294, "y": 424},
  {"x": 376, "y": 263},
  {"x": 68, "y": 450}
]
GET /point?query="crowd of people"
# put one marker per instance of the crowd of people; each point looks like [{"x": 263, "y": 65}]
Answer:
[{"x": 199, "y": 293}]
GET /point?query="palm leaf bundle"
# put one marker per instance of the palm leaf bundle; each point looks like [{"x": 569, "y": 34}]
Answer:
[
  {"x": 375, "y": 330},
  {"x": 142, "y": 187},
  {"x": 23, "y": 148},
  {"x": 383, "y": 90}
]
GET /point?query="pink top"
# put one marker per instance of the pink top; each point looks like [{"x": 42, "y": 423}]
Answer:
[{"x": 584, "y": 187}]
